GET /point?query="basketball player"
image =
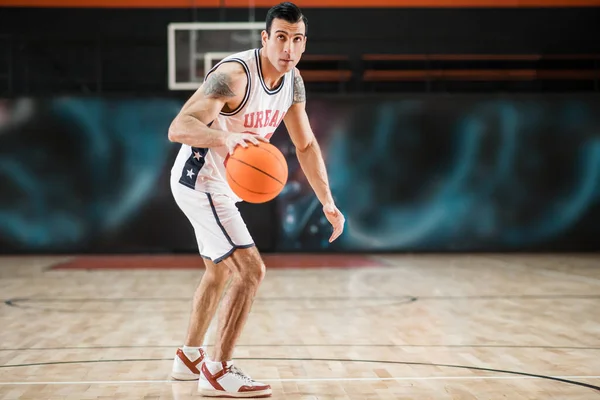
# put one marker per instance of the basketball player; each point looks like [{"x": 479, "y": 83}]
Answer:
[{"x": 240, "y": 103}]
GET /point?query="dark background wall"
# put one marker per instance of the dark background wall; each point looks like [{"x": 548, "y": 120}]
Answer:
[{"x": 125, "y": 50}]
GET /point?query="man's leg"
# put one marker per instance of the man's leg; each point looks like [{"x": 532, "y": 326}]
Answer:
[
  {"x": 248, "y": 271},
  {"x": 220, "y": 377},
  {"x": 187, "y": 362},
  {"x": 206, "y": 300}
]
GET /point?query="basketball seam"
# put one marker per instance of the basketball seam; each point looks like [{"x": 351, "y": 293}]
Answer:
[
  {"x": 259, "y": 170},
  {"x": 273, "y": 154},
  {"x": 243, "y": 187}
]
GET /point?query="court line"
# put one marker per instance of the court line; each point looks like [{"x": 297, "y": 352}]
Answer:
[
  {"x": 22, "y": 303},
  {"x": 408, "y": 345},
  {"x": 388, "y": 301},
  {"x": 398, "y": 378},
  {"x": 300, "y": 298},
  {"x": 501, "y": 371}
]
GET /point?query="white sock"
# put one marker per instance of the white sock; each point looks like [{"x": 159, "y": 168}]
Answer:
[
  {"x": 191, "y": 352},
  {"x": 214, "y": 366}
]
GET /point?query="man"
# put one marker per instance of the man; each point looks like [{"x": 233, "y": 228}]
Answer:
[{"x": 241, "y": 102}]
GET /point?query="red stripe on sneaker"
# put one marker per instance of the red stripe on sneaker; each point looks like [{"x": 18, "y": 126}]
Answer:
[
  {"x": 212, "y": 379},
  {"x": 254, "y": 388},
  {"x": 188, "y": 363}
]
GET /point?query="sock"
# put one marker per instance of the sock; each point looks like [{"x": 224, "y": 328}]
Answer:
[
  {"x": 191, "y": 352},
  {"x": 215, "y": 366}
]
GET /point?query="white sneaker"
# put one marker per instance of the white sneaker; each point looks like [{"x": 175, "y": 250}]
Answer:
[
  {"x": 223, "y": 379},
  {"x": 186, "y": 369}
]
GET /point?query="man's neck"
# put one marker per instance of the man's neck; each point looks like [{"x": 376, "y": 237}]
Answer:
[{"x": 270, "y": 75}]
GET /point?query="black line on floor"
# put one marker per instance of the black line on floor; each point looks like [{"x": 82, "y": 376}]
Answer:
[
  {"x": 443, "y": 346},
  {"x": 568, "y": 381},
  {"x": 21, "y": 303},
  {"x": 332, "y": 298}
]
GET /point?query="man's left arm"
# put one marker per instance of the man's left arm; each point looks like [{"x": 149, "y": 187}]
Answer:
[{"x": 310, "y": 157}]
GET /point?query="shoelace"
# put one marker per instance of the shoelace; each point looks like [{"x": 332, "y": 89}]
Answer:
[{"x": 236, "y": 371}]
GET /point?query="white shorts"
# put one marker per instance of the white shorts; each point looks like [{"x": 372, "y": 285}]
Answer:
[{"x": 217, "y": 222}]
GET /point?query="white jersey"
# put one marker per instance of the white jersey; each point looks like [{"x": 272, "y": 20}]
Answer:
[{"x": 260, "y": 112}]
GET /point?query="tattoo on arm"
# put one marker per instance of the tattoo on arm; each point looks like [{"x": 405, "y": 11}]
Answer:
[
  {"x": 299, "y": 90},
  {"x": 217, "y": 85}
]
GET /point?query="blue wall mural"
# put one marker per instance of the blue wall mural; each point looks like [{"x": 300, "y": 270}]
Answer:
[
  {"x": 76, "y": 170},
  {"x": 455, "y": 173},
  {"x": 411, "y": 173}
]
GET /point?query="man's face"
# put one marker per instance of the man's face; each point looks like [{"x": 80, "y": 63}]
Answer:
[{"x": 285, "y": 45}]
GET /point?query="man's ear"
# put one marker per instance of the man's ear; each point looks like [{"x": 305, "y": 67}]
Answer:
[{"x": 264, "y": 36}]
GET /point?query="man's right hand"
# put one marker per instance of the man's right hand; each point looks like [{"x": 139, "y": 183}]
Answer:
[{"x": 235, "y": 139}]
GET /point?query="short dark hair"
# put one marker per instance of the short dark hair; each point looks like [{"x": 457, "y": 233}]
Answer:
[{"x": 288, "y": 12}]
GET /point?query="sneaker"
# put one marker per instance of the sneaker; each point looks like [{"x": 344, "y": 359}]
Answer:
[
  {"x": 223, "y": 379},
  {"x": 186, "y": 369}
]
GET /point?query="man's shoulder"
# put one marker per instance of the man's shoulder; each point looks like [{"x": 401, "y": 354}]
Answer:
[
  {"x": 299, "y": 89},
  {"x": 233, "y": 69},
  {"x": 298, "y": 80},
  {"x": 231, "y": 73},
  {"x": 236, "y": 64}
]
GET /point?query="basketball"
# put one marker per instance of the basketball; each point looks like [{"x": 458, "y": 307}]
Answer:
[{"x": 257, "y": 174}]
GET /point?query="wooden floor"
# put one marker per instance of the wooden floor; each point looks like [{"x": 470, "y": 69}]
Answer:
[{"x": 415, "y": 327}]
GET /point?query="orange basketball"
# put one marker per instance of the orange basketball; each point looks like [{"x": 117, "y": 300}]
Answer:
[{"x": 257, "y": 174}]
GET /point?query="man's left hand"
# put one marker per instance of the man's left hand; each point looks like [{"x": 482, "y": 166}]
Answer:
[{"x": 335, "y": 218}]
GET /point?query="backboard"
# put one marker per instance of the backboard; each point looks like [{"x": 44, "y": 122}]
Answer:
[{"x": 193, "y": 48}]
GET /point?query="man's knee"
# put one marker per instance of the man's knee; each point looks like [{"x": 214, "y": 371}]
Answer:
[
  {"x": 218, "y": 272},
  {"x": 248, "y": 265},
  {"x": 254, "y": 272},
  {"x": 222, "y": 274}
]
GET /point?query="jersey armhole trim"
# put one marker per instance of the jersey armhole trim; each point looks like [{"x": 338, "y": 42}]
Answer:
[{"x": 248, "y": 86}]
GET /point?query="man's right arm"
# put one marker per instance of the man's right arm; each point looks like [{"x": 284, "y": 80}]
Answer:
[{"x": 190, "y": 126}]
